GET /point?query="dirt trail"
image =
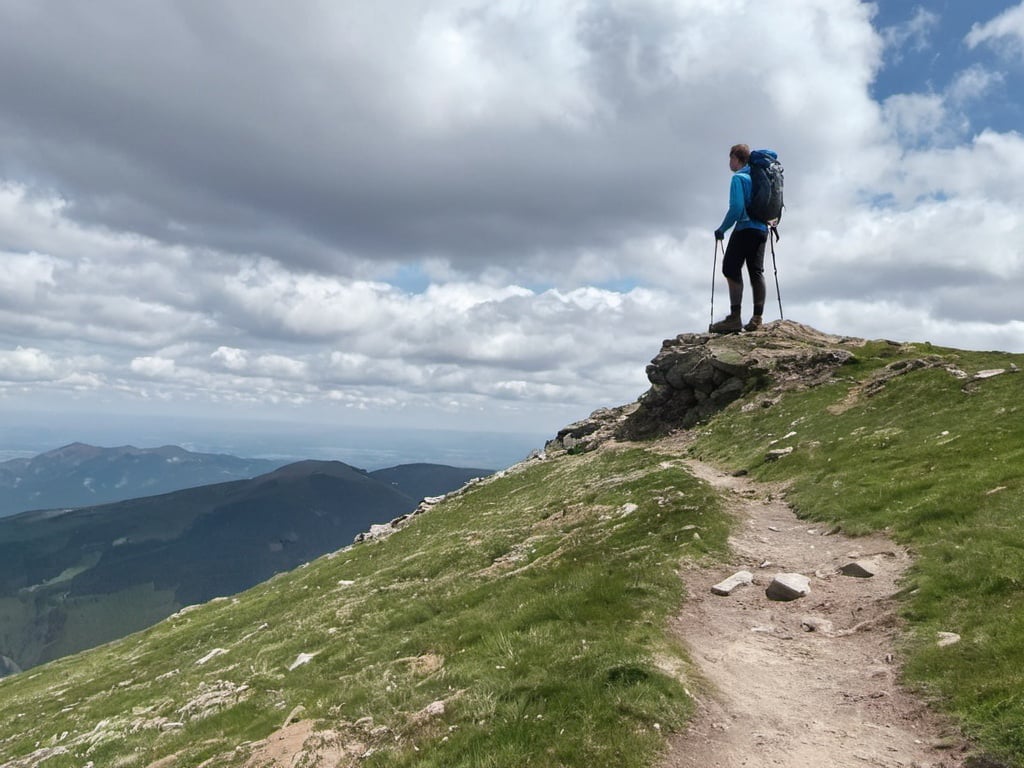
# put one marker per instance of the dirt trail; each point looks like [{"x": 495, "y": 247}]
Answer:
[{"x": 780, "y": 695}]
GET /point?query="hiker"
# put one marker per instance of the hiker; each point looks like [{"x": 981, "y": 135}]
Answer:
[{"x": 746, "y": 246}]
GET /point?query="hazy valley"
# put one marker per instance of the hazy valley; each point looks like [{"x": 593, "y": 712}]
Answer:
[{"x": 71, "y": 579}]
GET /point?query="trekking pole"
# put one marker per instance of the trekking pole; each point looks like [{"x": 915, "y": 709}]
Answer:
[
  {"x": 778, "y": 293},
  {"x": 714, "y": 270}
]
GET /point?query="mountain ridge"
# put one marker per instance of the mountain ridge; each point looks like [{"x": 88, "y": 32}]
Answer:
[
  {"x": 530, "y": 619},
  {"x": 59, "y": 568},
  {"x": 79, "y": 475}
]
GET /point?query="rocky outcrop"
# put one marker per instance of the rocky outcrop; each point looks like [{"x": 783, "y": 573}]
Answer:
[
  {"x": 601, "y": 426},
  {"x": 695, "y": 375},
  {"x": 382, "y": 531}
]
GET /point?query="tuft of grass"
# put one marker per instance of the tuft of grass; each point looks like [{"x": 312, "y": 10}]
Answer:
[
  {"x": 938, "y": 462},
  {"x": 533, "y": 605}
]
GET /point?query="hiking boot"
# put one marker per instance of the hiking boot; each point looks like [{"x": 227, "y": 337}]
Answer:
[
  {"x": 731, "y": 324},
  {"x": 754, "y": 324}
]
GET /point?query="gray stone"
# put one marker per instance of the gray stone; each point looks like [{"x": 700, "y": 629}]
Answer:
[
  {"x": 861, "y": 569},
  {"x": 788, "y": 586},
  {"x": 778, "y": 453},
  {"x": 990, "y": 373},
  {"x": 655, "y": 375},
  {"x": 695, "y": 375},
  {"x": 727, "y": 587},
  {"x": 730, "y": 390},
  {"x": 701, "y": 378},
  {"x": 947, "y": 638},
  {"x": 733, "y": 364},
  {"x": 817, "y": 624}
]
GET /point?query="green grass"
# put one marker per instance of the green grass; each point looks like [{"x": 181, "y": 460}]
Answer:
[
  {"x": 939, "y": 463},
  {"x": 535, "y": 605},
  {"x": 541, "y": 598}
]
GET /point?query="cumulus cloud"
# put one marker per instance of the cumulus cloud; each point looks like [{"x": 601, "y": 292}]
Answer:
[
  {"x": 940, "y": 119},
  {"x": 25, "y": 364},
  {"x": 485, "y": 135},
  {"x": 470, "y": 209}
]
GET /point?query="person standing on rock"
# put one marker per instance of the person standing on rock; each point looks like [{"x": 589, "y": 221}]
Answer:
[{"x": 746, "y": 246}]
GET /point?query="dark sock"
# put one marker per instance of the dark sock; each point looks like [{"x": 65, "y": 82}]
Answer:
[{"x": 735, "y": 296}]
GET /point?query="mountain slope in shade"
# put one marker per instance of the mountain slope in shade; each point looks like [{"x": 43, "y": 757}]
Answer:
[
  {"x": 79, "y": 475},
  {"x": 73, "y": 579}
]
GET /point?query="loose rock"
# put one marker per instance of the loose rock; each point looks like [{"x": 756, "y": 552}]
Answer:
[
  {"x": 788, "y": 586},
  {"x": 817, "y": 624},
  {"x": 727, "y": 587},
  {"x": 212, "y": 655},
  {"x": 861, "y": 569},
  {"x": 302, "y": 658}
]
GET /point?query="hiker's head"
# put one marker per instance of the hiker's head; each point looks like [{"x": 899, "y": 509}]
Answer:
[{"x": 739, "y": 156}]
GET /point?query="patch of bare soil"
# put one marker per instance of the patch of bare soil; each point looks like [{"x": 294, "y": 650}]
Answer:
[
  {"x": 299, "y": 744},
  {"x": 808, "y": 683}
]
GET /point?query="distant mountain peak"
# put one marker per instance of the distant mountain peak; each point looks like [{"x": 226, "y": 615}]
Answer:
[{"x": 79, "y": 474}]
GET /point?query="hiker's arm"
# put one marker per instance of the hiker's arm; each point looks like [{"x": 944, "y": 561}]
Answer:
[{"x": 737, "y": 204}]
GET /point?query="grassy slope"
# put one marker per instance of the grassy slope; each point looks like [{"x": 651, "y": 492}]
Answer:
[
  {"x": 939, "y": 462},
  {"x": 545, "y": 597},
  {"x": 548, "y": 605}
]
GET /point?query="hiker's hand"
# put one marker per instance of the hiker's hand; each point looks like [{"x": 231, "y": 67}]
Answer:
[{"x": 719, "y": 234}]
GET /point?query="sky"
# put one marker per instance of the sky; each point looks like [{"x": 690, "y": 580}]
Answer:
[{"x": 468, "y": 216}]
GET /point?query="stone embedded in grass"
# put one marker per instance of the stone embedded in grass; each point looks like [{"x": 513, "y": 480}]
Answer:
[
  {"x": 778, "y": 453},
  {"x": 861, "y": 569},
  {"x": 989, "y": 373},
  {"x": 788, "y": 586},
  {"x": 739, "y": 579},
  {"x": 947, "y": 638},
  {"x": 212, "y": 655},
  {"x": 433, "y": 710},
  {"x": 302, "y": 658}
]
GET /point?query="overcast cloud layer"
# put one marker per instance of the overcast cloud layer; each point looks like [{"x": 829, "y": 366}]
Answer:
[{"x": 473, "y": 214}]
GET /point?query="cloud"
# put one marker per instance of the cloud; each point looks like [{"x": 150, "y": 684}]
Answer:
[
  {"x": 474, "y": 133},
  {"x": 973, "y": 83},
  {"x": 1004, "y": 32},
  {"x": 34, "y": 366},
  {"x": 915, "y": 33},
  {"x": 154, "y": 367},
  {"x": 940, "y": 119},
  {"x": 921, "y": 118},
  {"x": 468, "y": 210},
  {"x": 231, "y": 358},
  {"x": 25, "y": 364}
]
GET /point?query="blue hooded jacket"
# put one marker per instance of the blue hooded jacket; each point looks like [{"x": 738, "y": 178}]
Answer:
[{"x": 739, "y": 196}]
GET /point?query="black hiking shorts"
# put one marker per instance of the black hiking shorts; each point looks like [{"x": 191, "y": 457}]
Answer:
[{"x": 746, "y": 246}]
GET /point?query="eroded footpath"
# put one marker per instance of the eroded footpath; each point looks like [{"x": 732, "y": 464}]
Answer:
[{"x": 810, "y": 683}]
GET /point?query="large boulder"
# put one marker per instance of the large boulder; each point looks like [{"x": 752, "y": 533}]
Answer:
[
  {"x": 695, "y": 375},
  {"x": 698, "y": 374}
]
